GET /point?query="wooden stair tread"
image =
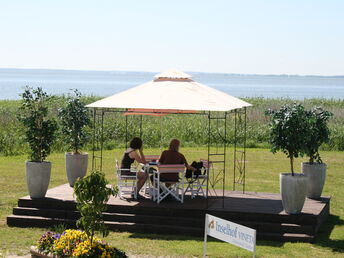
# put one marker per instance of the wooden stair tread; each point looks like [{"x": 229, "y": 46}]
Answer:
[{"x": 154, "y": 228}]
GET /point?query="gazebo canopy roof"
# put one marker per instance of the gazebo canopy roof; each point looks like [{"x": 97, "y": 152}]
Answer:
[{"x": 171, "y": 91}]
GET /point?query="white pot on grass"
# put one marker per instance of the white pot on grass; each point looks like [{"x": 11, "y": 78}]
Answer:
[
  {"x": 76, "y": 166},
  {"x": 38, "y": 178},
  {"x": 316, "y": 175},
  {"x": 293, "y": 191}
]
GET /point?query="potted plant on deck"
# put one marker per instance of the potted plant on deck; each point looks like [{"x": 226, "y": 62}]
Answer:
[
  {"x": 315, "y": 169},
  {"x": 40, "y": 134},
  {"x": 288, "y": 130},
  {"x": 74, "y": 118},
  {"x": 92, "y": 194}
]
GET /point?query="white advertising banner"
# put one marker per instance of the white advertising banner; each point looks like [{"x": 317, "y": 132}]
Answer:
[{"x": 230, "y": 232}]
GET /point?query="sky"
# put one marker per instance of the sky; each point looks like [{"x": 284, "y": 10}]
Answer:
[{"x": 248, "y": 37}]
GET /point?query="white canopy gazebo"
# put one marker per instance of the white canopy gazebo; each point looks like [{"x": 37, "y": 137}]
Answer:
[
  {"x": 171, "y": 92},
  {"x": 174, "y": 92}
]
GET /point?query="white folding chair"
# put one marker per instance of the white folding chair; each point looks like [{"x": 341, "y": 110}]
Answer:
[
  {"x": 126, "y": 183},
  {"x": 173, "y": 188},
  {"x": 149, "y": 158},
  {"x": 197, "y": 184}
]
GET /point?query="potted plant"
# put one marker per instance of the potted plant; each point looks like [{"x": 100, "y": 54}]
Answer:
[
  {"x": 92, "y": 194},
  {"x": 74, "y": 118},
  {"x": 288, "y": 129},
  {"x": 40, "y": 134},
  {"x": 315, "y": 169}
]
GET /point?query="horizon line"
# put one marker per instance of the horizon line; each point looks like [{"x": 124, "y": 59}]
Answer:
[{"x": 138, "y": 71}]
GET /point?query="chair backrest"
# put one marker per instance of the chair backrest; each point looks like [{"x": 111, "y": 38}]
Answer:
[
  {"x": 171, "y": 168},
  {"x": 150, "y": 158},
  {"x": 120, "y": 170}
]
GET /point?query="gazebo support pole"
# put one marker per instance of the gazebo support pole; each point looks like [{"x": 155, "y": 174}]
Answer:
[
  {"x": 102, "y": 141},
  {"x": 126, "y": 132},
  {"x": 161, "y": 133},
  {"x": 208, "y": 174},
  {"x": 245, "y": 119},
  {"x": 240, "y": 134},
  {"x": 235, "y": 146},
  {"x": 224, "y": 162},
  {"x": 94, "y": 138},
  {"x": 141, "y": 126}
]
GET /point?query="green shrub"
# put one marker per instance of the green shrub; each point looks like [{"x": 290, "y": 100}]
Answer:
[
  {"x": 92, "y": 194},
  {"x": 318, "y": 132},
  {"x": 74, "y": 117},
  {"x": 39, "y": 130},
  {"x": 288, "y": 131}
]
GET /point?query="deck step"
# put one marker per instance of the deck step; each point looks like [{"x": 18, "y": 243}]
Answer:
[
  {"x": 36, "y": 221},
  {"x": 118, "y": 217},
  {"x": 170, "y": 211},
  {"x": 287, "y": 237},
  {"x": 261, "y": 211},
  {"x": 165, "y": 220}
]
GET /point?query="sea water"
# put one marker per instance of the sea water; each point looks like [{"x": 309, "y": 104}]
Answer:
[{"x": 106, "y": 83}]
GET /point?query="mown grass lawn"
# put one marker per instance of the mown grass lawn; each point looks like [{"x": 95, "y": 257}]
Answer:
[{"x": 263, "y": 170}]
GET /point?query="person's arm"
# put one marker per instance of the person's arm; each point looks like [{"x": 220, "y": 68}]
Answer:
[
  {"x": 187, "y": 165},
  {"x": 143, "y": 159},
  {"x": 139, "y": 158}
]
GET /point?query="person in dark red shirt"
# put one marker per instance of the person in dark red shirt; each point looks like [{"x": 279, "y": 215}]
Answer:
[{"x": 173, "y": 156}]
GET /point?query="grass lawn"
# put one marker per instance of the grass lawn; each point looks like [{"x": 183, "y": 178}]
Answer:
[{"x": 263, "y": 170}]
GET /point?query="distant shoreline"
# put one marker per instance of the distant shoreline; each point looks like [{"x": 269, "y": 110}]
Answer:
[
  {"x": 276, "y": 100},
  {"x": 146, "y": 72},
  {"x": 107, "y": 83}
]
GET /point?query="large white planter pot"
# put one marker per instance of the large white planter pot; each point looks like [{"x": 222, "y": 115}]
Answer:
[
  {"x": 293, "y": 191},
  {"x": 76, "y": 166},
  {"x": 38, "y": 178},
  {"x": 316, "y": 175}
]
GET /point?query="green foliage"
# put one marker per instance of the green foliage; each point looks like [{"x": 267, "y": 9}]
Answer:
[
  {"x": 288, "y": 131},
  {"x": 59, "y": 228},
  {"x": 39, "y": 129},
  {"x": 74, "y": 118},
  {"x": 318, "y": 132},
  {"x": 75, "y": 243},
  {"x": 46, "y": 242},
  {"x": 92, "y": 194},
  {"x": 190, "y": 129}
]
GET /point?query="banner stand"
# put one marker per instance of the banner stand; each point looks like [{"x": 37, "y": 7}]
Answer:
[
  {"x": 229, "y": 232},
  {"x": 205, "y": 237}
]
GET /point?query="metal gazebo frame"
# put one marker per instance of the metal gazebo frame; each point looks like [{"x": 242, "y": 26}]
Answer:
[{"x": 215, "y": 157}]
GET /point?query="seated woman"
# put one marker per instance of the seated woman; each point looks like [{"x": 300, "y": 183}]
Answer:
[
  {"x": 173, "y": 156},
  {"x": 135, "y": 152}
]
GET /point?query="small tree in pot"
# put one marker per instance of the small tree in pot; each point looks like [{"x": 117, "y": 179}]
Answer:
[
  {"x": 92, "y": 195},
  {"x": 40, "y": 134},
  {"x": 315, "y": 169},
  {"x": 74, "y": 119},
  {"x": 288, "y": 130}
]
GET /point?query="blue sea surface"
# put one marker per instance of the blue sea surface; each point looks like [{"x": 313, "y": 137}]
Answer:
[{"x": 106, "y": 83}]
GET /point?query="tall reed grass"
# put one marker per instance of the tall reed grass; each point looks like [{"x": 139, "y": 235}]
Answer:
[{"x": 157, "y": 131}]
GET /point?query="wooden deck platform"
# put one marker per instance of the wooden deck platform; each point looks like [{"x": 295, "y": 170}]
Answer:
[{"x": 262, "y": 211}]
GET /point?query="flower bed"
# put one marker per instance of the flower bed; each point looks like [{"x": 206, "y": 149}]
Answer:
[{"x": 74, "y": 243}]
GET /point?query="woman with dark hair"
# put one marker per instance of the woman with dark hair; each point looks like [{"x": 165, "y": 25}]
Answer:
[
  {"x": 135, "y": 153},
  {"x": 173, "y": 156}
]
